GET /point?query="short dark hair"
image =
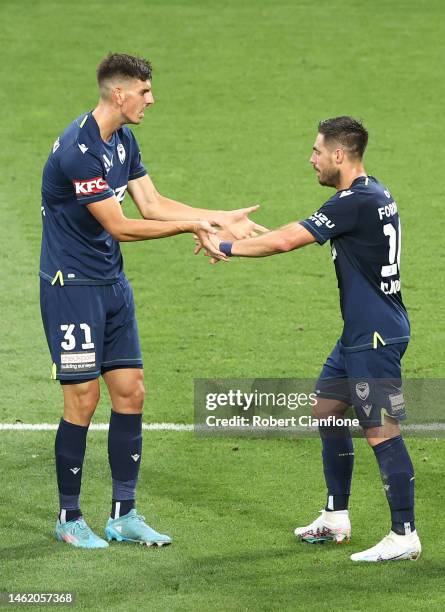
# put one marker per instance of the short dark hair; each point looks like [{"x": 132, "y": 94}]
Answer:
[
  {"x": 123, "y": 65},
  {"x": 348, "y": 132}
]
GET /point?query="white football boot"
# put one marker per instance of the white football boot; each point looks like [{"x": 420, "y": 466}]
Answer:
[
  {"x": 332, "y": 526},
  {"x": 393, "y": 547}
]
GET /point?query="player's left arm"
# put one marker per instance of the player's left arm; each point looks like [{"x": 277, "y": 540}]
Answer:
[
  {"x": 287, "y": 238},
  {"x": 153, "y": 205},
  {"x": 336, "y": 217}
]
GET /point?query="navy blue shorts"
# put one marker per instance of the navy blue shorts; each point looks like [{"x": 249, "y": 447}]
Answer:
[
  {"x": 90, "y": 329},
  {"x": 370, "y": 381}
]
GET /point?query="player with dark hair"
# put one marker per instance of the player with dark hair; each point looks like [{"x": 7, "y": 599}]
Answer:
[
  {"x": 86, "y": 301},
  {"x": 362, "y": 222}
]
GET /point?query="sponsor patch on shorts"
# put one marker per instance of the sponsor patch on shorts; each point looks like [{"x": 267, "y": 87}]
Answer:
[
  {"x": 78, "y": 362},
  {"x": 397, "y": 403}
]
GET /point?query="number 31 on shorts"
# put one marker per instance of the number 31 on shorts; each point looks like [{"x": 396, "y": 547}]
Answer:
[{"x": 69, "y": 341}]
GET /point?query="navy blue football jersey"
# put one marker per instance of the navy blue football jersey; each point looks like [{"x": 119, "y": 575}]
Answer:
[
  {"x": 363, "y": 225},
  {"x": 81, "y": 169}
]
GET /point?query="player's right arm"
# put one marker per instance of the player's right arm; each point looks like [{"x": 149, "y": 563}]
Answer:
[
  {"x": 84, "y": 171},
  {"x": 109, "y": 214},
  {"x": 153, "y": 205}
]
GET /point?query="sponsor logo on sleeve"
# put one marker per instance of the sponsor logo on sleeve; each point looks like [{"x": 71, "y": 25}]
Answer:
[
  {"x": 320, "y": 219},
  {"x": 91, "y": 186}
]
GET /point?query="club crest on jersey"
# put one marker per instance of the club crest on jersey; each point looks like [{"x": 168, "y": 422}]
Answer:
[
  {"x": 121, "y": 152},
  {"x": 92, "y": 186},
  {"x": 362, "y": 390}
]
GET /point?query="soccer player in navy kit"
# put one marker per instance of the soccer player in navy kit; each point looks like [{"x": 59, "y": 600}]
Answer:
[
  {"x": 361, "y": 221},
  {"x": 86, "y": 301}
]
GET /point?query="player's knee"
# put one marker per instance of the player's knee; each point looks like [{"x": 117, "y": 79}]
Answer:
[
  {"x": 324, "y": 408},
  {"x": 86, "y": 402},
  {"x": 375, "y": 435},
  {"x": 138, "y": 395},
  {"x": 81, "y": 402},
  {"x": 320, "y": 410},
  {"x": 132, "y": 398}
]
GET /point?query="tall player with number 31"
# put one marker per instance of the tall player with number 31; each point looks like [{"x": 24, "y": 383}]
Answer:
[{"x": 87, "y": 302}]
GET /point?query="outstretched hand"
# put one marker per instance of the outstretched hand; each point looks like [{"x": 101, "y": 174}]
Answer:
[
  {"x": 204, "y": 238},
  {"x": 215, "y": 240},
  {"x": 237, "y": 222},
  {"x": 235, "y": 225}
]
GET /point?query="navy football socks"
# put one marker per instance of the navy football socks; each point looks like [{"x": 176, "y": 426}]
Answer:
[
  {"x": 124, "y": 454},
  {"x": 121, "y": 508},
  {"x": 70, "y": 447},
  {"x": 397, "y": 474},
  {"x": 338, "y": 463}
]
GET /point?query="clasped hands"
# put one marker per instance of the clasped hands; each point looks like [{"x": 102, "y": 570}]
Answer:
[{"x": 230, "y": 225}]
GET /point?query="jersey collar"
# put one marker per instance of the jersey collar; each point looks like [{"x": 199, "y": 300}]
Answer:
[
  {"x": 90, "y": 129},
  {"x": 361, "y": 180}
]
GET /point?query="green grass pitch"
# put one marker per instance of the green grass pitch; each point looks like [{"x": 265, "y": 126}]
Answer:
[{"x": 239, "y": 89}]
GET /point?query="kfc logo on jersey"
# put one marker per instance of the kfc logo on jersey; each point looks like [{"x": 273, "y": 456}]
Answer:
[{"x": 92, "y": 186}]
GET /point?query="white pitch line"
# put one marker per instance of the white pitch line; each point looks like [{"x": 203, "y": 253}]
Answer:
[
  {"x": 93, "y": 427},
  {"x": 186, "y": 427}
]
